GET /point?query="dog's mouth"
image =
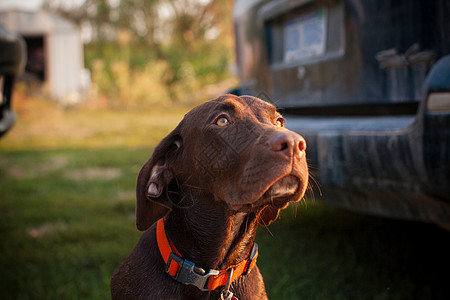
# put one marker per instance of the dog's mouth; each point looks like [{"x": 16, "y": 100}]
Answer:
[
  {"x": 278, "y": 195},
  {"x": 283, "y": 188}
]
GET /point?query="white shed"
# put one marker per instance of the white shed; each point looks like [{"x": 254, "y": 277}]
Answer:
[{"x": 54, "y": 49}]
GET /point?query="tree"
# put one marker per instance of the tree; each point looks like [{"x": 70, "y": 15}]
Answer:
[{"x": 178, "y": 32}]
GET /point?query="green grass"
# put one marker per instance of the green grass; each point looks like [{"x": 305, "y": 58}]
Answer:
[
  {"x": 325, "y": 253},
  {"x": 67, "y": 222},
  {"x": 62, "y": 236}
]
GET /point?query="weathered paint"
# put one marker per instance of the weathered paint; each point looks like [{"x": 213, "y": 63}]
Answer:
[{"x": 373, "y": 143}]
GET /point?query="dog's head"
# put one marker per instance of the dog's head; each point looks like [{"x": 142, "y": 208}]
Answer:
[{"x": 235, "y": 149}]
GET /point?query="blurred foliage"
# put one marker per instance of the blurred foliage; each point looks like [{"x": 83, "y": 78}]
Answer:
[{"x": 152, "y": 51}]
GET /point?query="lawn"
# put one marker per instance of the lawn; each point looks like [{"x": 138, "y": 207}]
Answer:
[{"x": 67, "y": 219}]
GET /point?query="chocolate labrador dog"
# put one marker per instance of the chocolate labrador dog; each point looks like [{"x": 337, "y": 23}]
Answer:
[{"x": 228, "y": 166}]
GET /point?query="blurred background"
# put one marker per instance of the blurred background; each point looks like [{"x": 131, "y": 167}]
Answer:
[
  {"x": 100, "y": 84},
  {"x": 110, "y": 53}
]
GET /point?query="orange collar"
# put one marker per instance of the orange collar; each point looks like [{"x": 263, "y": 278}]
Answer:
[{"x": 187, "y": 272}]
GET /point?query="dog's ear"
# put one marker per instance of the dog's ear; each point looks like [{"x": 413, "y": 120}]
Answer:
[
  {"x": 152, "y": 200},
  {"x": 267, "y": 215}
]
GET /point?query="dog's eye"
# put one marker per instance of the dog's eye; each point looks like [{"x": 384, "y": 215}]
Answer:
[
  {"x": 280, "y": 122},
  {"x": 222, "y": 121}
]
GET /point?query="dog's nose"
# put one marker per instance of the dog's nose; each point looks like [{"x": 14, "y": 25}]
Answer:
[{"x": 287, "y": 143}]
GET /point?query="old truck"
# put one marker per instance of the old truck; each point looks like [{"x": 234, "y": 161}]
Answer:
[
  {"x": 367, "y": 83},
  {"x": 12, "y": 63}
]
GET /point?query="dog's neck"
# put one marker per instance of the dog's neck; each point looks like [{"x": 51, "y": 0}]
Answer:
[{"x": 210, "y": 234}]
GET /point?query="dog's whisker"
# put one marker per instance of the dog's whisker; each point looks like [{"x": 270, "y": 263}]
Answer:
[
  {"x": 267, "y": 228},
  {"x": 310, "y": 192},
  {"x": 316, "y": 182},
  {"x": 304, "y": 202},
  {"x": 294, "y": 208},
  {"x": 311, "y": 166}
]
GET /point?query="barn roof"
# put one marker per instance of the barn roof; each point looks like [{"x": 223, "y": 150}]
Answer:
[{"x": 36, "y": 22}]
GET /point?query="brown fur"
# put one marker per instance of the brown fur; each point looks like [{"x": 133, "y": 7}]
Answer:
[{"x": 214, "y": 185}]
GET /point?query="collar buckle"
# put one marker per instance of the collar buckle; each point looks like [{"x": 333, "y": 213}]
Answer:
[{"x": 187, "y": 274}]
